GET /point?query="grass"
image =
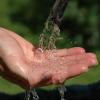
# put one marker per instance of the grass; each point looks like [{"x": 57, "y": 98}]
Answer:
[
  {"x": 8, "y": 87},
  {"x": 87, "y": 78}
]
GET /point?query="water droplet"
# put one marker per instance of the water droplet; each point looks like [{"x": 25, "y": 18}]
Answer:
[
  {"x": 62, "y": 90},
  {"x": 40, "y": 50}
]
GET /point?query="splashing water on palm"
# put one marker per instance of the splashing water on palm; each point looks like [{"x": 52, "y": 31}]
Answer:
[{"x": 51, "y": 27}]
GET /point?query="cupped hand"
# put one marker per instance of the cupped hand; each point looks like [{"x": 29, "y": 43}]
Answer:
[{"x": 25, "y": 65}]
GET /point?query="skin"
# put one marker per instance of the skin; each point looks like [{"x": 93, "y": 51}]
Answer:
[{"x": 25, "y": 65}]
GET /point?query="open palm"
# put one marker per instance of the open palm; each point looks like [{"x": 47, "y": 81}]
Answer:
[{"x": 26, "y": 65}]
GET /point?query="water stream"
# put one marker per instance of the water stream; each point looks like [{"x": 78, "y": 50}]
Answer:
[{"x": 51, "y": 28}]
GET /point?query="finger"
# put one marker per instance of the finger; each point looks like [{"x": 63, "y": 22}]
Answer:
[
  {"x": 73, "y": 58},
  {"x": 89, "y": 60},
  {"x": 81, "y": 66},
  {"x": 69, "y": 72},
  {"x": 86, "y": 57},
  {"x": 71, "y": 51},
  {"x": 74, "y": 68}
]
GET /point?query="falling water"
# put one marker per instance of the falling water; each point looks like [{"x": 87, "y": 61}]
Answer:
[
  {"x": 31, "y": 94},
  {"x": 52, "y": 28}
]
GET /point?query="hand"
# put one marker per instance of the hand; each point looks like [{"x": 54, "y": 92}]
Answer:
[{"x": 25, "y": 65}]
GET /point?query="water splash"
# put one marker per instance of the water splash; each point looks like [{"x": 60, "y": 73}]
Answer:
[
  {"x": 51, "y": 27},
  {"x": 31, "y": 94},
  {"x": 62, "y": 89}
]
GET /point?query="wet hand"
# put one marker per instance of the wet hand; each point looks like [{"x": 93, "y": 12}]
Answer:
[{"x": 25, "y": 65}]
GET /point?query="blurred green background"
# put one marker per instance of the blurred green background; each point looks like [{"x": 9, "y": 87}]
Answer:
[{"x": 80, "y": 27}]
